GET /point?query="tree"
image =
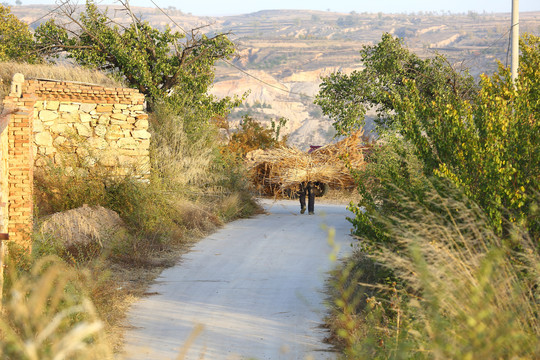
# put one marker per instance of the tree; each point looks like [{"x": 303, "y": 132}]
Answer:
[
  {"x": 487, "y": 147},
  {"x": 16, "y": 41},
  {"x": 387, "y": 65},
  {"x": 483, "y": 139},
  {"x": 252, "y": 135},
  {"x": 173, "y": 69},
  {"x": 171, "y": 66}
]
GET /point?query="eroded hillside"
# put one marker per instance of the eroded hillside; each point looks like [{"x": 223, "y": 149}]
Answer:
[{"x": 282, "y": 54}]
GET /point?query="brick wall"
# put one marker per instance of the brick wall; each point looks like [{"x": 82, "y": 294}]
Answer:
[
  {"x": 79, "y": 127},
  {"x": 19, "y": 162},
  {"x": 4, "y": 173}
]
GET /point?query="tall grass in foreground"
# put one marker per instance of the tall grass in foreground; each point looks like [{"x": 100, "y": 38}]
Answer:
[
  {"x": 47, "y": 316},
  {"x": 457, "y": 290}
]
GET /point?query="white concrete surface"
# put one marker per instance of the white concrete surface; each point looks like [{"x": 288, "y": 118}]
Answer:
[{"x": 256, "y": 286}]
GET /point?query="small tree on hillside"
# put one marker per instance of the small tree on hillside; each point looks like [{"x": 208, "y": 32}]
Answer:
[{"x": 252, "y": 135}]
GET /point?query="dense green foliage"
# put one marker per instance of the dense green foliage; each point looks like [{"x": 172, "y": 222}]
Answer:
[
  {"x": 387, "y": 67},
  {"x": 482, "y": 138},
  {"x": 448, "y": 222},
  {"x": 16, "y": 40},
  {"x": 487, "y": 147}
]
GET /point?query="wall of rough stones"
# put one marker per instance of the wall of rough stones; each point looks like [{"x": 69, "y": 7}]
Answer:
[{"x": 80, "y": 127}]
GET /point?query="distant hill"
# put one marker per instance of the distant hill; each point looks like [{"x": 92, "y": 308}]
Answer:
[{"x": 286, "y": 51}]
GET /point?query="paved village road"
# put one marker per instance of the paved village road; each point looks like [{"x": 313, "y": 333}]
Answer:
[{"x": 256, "y": 286}]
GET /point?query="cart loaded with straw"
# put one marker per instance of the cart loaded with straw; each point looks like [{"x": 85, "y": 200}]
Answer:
[{"x": 282, "y": 170}]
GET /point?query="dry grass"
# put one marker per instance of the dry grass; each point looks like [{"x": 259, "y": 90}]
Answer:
[
  {"x": 284, "y": 168},
  {"x": 123, "y": 257},
  {"x": 118, "y": 271},
  {"x": 82, "y": 225},
  {"x": 181, "y": 160},
  {"x": 47, "y": 316},
  {"x": 340, "y": 196},
  {"x": 55, "y": 72}
]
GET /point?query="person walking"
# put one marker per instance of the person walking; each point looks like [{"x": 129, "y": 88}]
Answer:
[{"x": 306, "y": 188}]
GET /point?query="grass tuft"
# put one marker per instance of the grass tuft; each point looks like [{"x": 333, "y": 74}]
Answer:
[
  {"x": 46, "y": 71},
  {"x": 47, "y": 316}
]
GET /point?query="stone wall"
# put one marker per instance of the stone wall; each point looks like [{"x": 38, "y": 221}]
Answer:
[{"x": 80, "y": 127}]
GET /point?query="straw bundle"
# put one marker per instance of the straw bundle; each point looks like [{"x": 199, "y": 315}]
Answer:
[{"x": 285, "y": 168}]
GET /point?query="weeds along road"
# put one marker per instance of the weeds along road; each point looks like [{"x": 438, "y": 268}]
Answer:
[{"x": 256, "y": 287}]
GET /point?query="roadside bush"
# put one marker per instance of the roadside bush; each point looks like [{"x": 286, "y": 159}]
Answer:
[
  {"x": 481, "y": 138},
  {"x": 488, "y": 148},
  {"x": 195, "y": 167},
  {"x": 179, "y": 160},
  {"x": 188, "y": 194},
  {"x": 392, "y": 165},
  {"x": 56, "y": 189},
  {"x": 76, "y": 254},
  {"x": 449, "y": 207},
  {"x": 463, "y": 292}
]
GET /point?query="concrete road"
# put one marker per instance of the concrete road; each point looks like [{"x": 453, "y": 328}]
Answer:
[{"x": 256, "y": 287}]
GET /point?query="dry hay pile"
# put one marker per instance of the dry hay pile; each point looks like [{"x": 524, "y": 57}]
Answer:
[
  {"x": 284, "y": 168},
  {"x": 83, "y": 225}
]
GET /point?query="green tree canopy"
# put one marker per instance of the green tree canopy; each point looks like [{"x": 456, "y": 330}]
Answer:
[
  {"x": 172, "y": 66},
  {"x": 387, "y": 66},
  {"x": 483, "y": 138},
  {"x": 16, "y": 41}
]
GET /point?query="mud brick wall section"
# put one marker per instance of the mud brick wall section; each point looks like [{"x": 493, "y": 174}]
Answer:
[{"x": 79, "y": 127}]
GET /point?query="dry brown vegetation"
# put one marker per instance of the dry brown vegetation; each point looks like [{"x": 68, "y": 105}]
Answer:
[
  {"x": 463, "y": 293},
  {"x": 285, "y": 168},
  {"x": 56, "y": 72},
  {"x": 123, "y": 254},
  {"x": 38, "y": 316}
]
